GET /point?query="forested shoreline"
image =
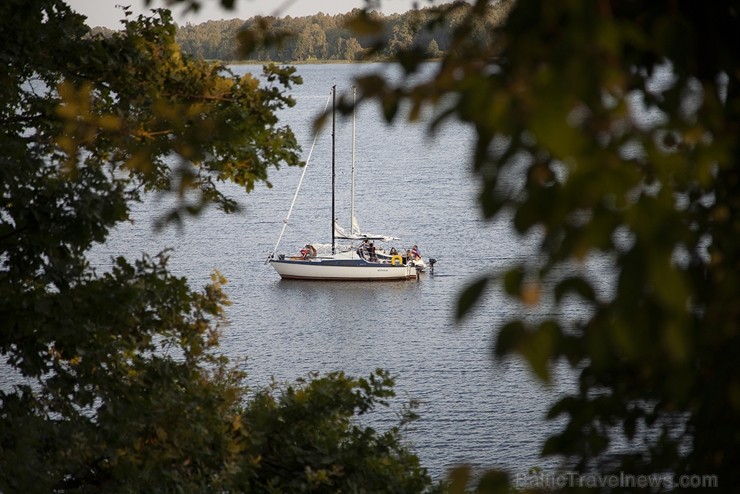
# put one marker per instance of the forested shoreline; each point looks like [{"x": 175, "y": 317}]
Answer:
[{"x": 323, "y": 37}]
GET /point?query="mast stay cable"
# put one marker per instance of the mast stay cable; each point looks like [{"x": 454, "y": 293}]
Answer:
[{"x": 300, "y": 182}]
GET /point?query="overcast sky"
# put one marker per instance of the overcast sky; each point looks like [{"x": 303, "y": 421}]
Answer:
[{"x": 105, "y": 13}]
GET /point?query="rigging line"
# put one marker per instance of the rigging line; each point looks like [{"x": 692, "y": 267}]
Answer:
[
  {"x": 353, "y": 220},
  {"x": 300, "y": 182}
]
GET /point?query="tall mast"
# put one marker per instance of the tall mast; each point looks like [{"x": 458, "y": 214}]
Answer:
[
  {"x": 352, "y": 203},
  {"x": 333, "y": 156}
]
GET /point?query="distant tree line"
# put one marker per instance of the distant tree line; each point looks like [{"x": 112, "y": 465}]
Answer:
[{"x": 326, "y": 37}]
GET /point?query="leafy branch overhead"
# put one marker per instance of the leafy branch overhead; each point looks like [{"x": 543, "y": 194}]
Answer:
[
  {"x": 216, "y": 125},
  {"x": 609, "y": 130}
]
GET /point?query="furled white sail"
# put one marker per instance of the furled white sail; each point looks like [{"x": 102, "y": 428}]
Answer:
[
  {"x": 342, "y": 234},
  {"x": 355, "y": 226}
]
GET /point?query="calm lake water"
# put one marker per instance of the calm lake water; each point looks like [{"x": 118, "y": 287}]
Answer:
[{"x": 474, "y": 410}]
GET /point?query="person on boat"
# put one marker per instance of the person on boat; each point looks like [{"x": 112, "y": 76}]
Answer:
[
  {"x": 415, "y": 252},
  {"x": 371, "y": 252},
  {"x": 308, "y": 252},
  {"x": 394, "y": 252},
  {"x": 364, "y": 249}
]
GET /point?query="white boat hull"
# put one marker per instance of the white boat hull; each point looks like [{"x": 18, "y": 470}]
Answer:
[{"x": 341, "y": 270}]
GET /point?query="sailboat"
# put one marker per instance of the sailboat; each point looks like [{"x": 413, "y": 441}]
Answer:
[{"x": 352, "y": 264}]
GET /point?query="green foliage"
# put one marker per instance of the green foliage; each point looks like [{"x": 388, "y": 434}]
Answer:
[
  {"x": 356, "y": 35},
  {"x": 112, "y": 381},
  {"x": 307, "y": 438},
  {"x": 555, "y": 95}
]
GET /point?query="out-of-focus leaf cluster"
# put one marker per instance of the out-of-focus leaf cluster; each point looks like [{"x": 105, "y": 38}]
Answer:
[{"x": 609, "y": 130}]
